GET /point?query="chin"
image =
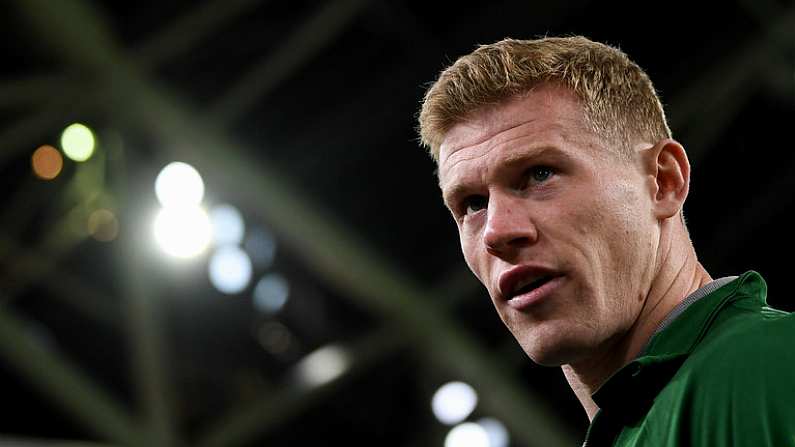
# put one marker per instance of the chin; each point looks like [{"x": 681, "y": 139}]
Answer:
[
  {"x": 554, "y": 349},
  {"x": 549, "y": 357}
]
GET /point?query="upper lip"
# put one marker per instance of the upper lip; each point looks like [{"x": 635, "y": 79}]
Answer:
[{"x": 520, "y": 276}]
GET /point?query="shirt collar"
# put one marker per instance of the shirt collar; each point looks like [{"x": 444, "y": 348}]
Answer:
[
  {"x": 638, "y": 382},
  {"x": 703, "y": 291}
]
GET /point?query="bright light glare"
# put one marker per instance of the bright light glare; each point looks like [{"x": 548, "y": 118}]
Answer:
[
  {"x": 179, "y": 184},
  {"x": 498, "y": 434},
  {"x": 453, "y": 402},
  {"x": 467, "y": 434},
  {"x": 271, "y": 293},
  {"x": 228, "y": 226},
  {"x": 323, "y": 365},
  {"x": 183, "y": 232},
  {"x": 78, "y": 142},
  {"x": 230, "y": 270}
]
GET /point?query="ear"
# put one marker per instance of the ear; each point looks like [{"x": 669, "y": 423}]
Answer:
[{"x": 668, "y": 170}]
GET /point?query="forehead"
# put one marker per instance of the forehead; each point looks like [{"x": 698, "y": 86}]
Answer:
[{"x": 546, "y": 116}]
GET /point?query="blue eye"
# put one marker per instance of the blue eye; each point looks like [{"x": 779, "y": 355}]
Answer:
[{"x": 540, "y": 174}]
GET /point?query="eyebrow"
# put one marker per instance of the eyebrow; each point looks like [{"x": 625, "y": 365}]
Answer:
[
  {"x": 456, "y": 191},
  {"x": 520, "y": 156}
]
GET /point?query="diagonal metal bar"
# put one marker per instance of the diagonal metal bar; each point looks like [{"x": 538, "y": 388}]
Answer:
[
  {"x": 722, "y": 87},
  {"x": 61, "y": 92},
  {"x": 331, "y": 249},
  {"x": 28, "y": 265},
  {"x": 339, "y": 256},
  {"x": 765, "y": 12},
  {"x": 242, "y": 425},
  {"x": 56, "y": 377},
  {"x": 187, "y": 31},
  {"x": 88, "y": 55},
  {"x": 144, "y": 325},
  {"x": 20, "y": 208},
  {"x": 15, "y": 137},
  {"x": 165, "y": 44},
  {"x": 53, "y": 374},
  {"x": 32, "y": 90},
  {"x": 65, "y": 232},
  {"x": 316, "y": 33},
  {"x": 26, "y": 268},
  {"x": 178, "y": 37}
]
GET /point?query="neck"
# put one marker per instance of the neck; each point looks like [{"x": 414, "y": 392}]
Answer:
[{"x": 679, "y": 274}]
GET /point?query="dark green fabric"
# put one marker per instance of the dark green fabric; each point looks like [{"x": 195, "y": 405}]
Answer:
[{"x": 721, "y": 374}]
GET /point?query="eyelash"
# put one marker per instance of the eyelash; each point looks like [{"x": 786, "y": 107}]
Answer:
[{"x": 482, "y": 201}]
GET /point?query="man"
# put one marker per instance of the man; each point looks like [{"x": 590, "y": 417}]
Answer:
[{"x": 558, "y": 166}]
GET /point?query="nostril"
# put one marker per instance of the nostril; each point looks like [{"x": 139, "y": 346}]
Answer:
[{"x": 501, "y": 246}]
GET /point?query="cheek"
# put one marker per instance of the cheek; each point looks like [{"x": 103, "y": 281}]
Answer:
[
  {"x": 632, "y": 221},
  {"x": 602, "y": 230},
  {"x": 469, "y": 246},
  {"x": 627, "y": 247}
]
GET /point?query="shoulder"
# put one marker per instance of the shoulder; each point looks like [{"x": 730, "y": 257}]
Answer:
[
  {"x": 746, "y": 349},
  {"x": 747, "y": 337},
  {"x": 733, "y": 386},
  {"x": 739, "y": 378}
]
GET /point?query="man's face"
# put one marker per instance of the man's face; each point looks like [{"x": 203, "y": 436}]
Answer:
[{"x": 559, "y": 230}]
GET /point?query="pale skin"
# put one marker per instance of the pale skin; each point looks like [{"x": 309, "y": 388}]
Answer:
[{"x": 532, "y": 187}]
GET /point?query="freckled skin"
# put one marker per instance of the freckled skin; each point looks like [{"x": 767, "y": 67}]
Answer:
[{"x": 592, "y": 220}]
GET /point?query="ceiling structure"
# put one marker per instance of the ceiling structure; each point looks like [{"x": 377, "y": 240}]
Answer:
[{"x": 302, "y": 115}]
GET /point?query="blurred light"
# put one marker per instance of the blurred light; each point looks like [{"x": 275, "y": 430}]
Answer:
[
  {"x": 467, "y": 434},
  {"x": 103, "y": 225},
  {"x": 228, "y": 226},
  {"x": 323, "y": 366},
  {"x": 179, "y": 184},
  {"x": 46, "y": 162},
  {"x": 230, "y": 269},
  {"x": 275, "y": 337},
  {"x": 261, "y": 245},
  {"x": 498, "y": 434},
  {"x": 183, "y": 232},
  {"x": 453, "y": 402},
  {"x": 271, "y": 293},
  {"x": 78, "y": 142}
]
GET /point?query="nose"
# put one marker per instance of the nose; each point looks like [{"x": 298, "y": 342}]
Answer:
[{"x": 509, "y": 226}]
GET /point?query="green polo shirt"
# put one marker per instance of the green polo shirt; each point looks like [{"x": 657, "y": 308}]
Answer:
[{"x": 721, "y": 374}]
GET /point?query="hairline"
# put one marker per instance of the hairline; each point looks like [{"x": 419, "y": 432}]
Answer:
[{"x": 613, "y": 146}]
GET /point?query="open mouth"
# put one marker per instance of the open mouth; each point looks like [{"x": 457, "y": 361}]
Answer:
[{"x": 538, "y": 282}]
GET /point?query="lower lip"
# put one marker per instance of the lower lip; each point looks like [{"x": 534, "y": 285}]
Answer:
[{"x": 525, "y": 300}]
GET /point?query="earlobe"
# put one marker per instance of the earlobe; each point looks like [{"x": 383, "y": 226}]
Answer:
[{"x": 671, "y": 175}]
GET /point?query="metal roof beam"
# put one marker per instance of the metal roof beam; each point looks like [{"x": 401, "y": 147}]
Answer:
[{"x": 334, "y": 251}]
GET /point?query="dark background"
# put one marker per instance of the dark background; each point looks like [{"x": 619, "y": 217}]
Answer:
[{"x": 302, "y": 115}]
